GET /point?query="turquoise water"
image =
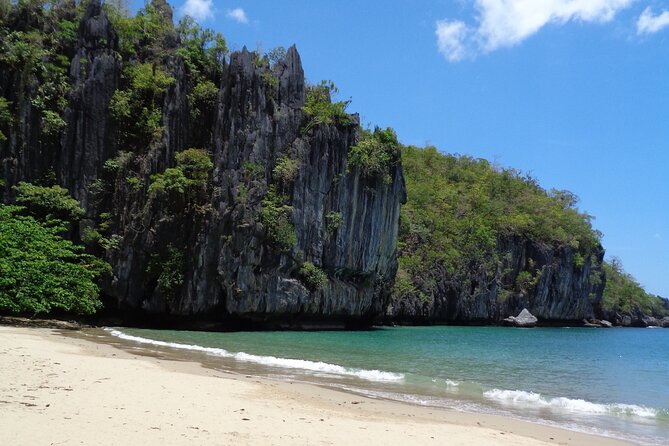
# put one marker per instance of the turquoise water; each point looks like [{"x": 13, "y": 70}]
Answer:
[{"x": 613, "y": 382}]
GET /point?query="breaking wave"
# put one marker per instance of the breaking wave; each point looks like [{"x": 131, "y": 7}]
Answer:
[
  {"x": 519, "y": 397},
  {"x": 301, "y": 364}
]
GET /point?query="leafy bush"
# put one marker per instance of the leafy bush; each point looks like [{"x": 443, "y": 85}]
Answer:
[
  {"x": 272, "y": 83},
  {"x": 286, "y": 170},
  {"x": 332, "y": 221},
  {"x": 188, "y": 182},
  {"x": 48, "y": 203},
  {"x": 171, "y": 182},
  {"x": 275, "y": 216},
  {"x": 312, "y": 276},
  {"x": 525, "y": 281},
  {"x": 137, "y": 108},
  {"x": 196, "y": 166},
  {"x": 203, "y": 99},
  {"x": 6, "y": 117},
  {"x": 52, "y": 123},
  {"x": 135, "y": 183},
  {"x": 374, "y": 154},
  {"x": 40, "y": 272},
  {"x": 253, "y": 170},
  {"x": 320, "y": 109},
  {"x": 169, "y": 269},
  {"x": 118, "y": 163}
]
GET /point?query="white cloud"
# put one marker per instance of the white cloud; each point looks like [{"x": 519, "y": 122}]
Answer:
[
  {"x": 451, "y": 38},
  {"x": 199, "y": 9},
  {"x": 238, "y": 15},
  {"x": 505, "y": 23},
  {"x": 657, "y": 236},
  {"x": 649, "y": 23}
]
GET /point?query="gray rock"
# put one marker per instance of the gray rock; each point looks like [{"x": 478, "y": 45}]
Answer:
[
  {"x": 88, "y": 139},
  {"x": 524, "y": 319},
  {"x": 650, "y": 321},
  {"x": 605, "y": 324},
  {"x": 665, "y": 322},
  {"x": 591, "y": 324}
]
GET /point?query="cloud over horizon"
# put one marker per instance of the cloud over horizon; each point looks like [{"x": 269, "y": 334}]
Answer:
[
  {"x": 238, "y": 15},
  {"x": 505, "y": 23},
  {"x": 198, "y": 9}
]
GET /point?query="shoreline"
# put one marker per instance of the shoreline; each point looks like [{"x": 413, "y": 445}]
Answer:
[
  {"x": 95, "y": 393},
  {"x": 80, "y": 324}
]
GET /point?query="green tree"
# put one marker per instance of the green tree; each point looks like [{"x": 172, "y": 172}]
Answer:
[
  {"x": 40, "y": 272},
  {"x": 312, "y": 276},
  {"x": 188, "y": 183},
  {"x": 375, "y": 153},
  {"x": 320, "y": 109},
  {"x": 137, "y": 108},
  {"x": 275, "y": 216},
  {"x": 48, "y": 203}
]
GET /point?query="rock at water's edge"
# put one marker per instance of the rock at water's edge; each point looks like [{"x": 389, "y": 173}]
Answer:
[{"x": 524, "y": 319}]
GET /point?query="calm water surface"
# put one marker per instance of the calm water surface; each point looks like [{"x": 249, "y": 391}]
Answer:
[{"x": 613, "y": 382}]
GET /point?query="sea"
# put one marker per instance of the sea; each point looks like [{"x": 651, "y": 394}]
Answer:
[{"x": 610, "y": 382}]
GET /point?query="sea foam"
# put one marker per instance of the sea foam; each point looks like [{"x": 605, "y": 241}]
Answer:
[
  {"x": 519, "y": 397},
  {"x": 301, "y": 364}
]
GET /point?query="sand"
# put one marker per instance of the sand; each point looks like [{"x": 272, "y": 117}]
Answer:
[{"x": 63, "y": 390}]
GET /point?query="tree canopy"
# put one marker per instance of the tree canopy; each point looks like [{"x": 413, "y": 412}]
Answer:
[{"x": 41, "y": 272}]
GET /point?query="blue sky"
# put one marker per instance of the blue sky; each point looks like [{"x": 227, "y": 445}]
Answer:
[{"x": 576, "y": 92}]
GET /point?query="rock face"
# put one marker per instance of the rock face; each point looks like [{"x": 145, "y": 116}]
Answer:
[
  {"x": 558, "y": 292},
  {"x": 95, "y": 71},
  {"x": 637, "y": 318},
  {"x": 524, "y": 319},
  {"x": 227, "y": 269}
]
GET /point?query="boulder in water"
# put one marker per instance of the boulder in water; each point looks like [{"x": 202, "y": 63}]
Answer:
[{"x": 524, "y": 319}]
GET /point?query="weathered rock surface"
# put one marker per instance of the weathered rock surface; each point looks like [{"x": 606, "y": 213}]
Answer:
[
  {"x": 229, "y": 272},
  {"x": 562, "y": 293},
  {"x": 95, "y": 71},
  {"x": 524, "y": 319}
]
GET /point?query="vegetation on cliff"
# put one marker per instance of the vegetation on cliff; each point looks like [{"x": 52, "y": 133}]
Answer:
[
  {"x": 624, "y": 295},
  {"x": 458, "y": 211}
]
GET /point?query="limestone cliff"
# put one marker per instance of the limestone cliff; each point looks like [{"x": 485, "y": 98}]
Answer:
[
  {"x": 224, "y": 267},
  {"x": 559, "y": 292}
]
